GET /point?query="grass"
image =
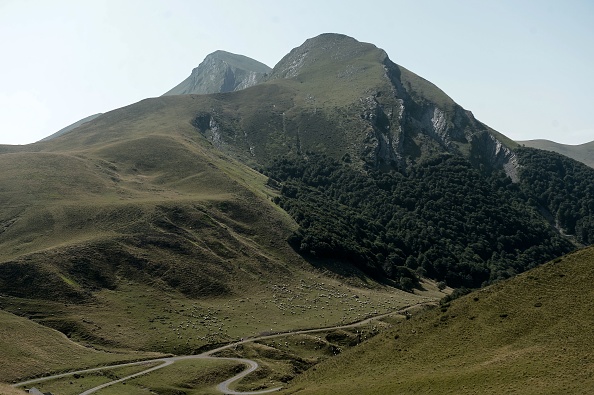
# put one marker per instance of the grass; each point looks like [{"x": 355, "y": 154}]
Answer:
[
  {"x": 6, "y": 389},
  {"x": 527, "y": 335},
  {"x": 193, "y": 377},
  {"x": 422, "y": 89},
  {"x": 163, "y": 263},
  {"x": 71, "y": 385},
  {"x": 29, "y": 349},
  {"x": 119, "y": 253},
  {"x": 139, "y": 317},
  {"x": 74, "y": 385}
]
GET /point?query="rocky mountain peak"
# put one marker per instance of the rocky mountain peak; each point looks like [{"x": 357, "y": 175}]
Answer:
[{"x": 222, "y": 72}]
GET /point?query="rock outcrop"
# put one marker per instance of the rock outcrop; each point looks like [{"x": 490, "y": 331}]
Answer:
[{"x": 222, "y": 72}]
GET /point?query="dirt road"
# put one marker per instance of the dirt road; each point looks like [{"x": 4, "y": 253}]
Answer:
[{"x": 224, "y": 386}]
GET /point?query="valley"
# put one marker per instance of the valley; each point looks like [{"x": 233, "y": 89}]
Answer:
[
  {"x": 120, "y": 373},
  {"x": 191, "y": 322}
]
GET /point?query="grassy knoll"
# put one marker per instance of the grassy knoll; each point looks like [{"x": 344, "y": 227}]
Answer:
[
  {"x": 30, "y": 349},
  {"x": 528, "y": 335}
]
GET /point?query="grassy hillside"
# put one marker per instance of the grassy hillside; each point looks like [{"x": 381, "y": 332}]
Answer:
[
  {"x": 583, "y": 152},
  {"x": 29, "y": 348},
  {"x": 527, "y": 335},
  {"x": 133, "y": 232}
]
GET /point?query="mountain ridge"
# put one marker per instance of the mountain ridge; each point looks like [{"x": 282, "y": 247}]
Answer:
[
  {"x": 581, "y": 152},
  {"x": 219, "y": 72},
  {"x": 385, "y": 121},
  {"x": 71, "y": 127}
]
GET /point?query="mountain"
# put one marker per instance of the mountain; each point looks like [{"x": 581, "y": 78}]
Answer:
[
  {"x": 336, "y": 95},
  {"x": 582, "y": 152},
  {"x": 222, "y": 72},
  {"x": 341, "y": 173},
  {"x": 417, "y": 167},
  {"x": 345, "y": 100},
  {"x": 527, "y": 335},
  {"x": 134, "y": 222},
  {"x": 219, "y": 72}
]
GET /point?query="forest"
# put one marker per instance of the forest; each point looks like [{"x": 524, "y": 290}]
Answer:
[
  {"x": 563, "y": 187},
  {"x": 442, "y": 218}
]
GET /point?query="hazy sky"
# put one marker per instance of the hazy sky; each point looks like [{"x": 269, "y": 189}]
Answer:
[{"x": 523, "y": 67}]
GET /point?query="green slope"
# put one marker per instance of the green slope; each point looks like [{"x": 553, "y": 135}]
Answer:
[
  {"x": 133, "y": 232},
  {"x": 527, "y": 335},
  {"x": 32, "y": 349}
]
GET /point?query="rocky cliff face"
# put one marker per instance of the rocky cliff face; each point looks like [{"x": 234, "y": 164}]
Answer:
[
  {"x": 414, "y": 119},
  {"x": 222, "y": 72}
]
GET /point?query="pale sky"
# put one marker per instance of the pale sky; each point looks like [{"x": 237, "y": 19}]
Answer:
[{"x": 523, "y": 67}]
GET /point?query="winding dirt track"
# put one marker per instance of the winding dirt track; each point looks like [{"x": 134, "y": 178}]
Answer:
[{"x": 224, "y": 386}]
